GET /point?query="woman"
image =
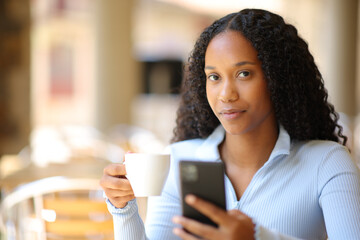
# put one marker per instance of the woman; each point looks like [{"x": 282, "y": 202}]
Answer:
[{"x": 254, "y": 99}]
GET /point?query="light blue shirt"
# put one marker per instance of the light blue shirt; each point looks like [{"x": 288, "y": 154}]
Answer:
[{"x": 306, "y": 190}]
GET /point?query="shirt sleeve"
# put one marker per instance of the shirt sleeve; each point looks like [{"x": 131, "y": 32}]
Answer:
[
  {"x": 127, "y": 222},
  {"x": 339, "y": 195}
]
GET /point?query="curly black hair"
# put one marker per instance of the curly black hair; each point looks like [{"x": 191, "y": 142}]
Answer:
[{"x": 295, "y": 84}]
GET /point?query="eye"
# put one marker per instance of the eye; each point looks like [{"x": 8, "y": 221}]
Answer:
[
  {"x": 244, "y": 74},
  {"x": 213, "y": 77}
]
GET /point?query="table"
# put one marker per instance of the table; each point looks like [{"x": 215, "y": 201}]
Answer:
[{"x": 88, "y": 168}]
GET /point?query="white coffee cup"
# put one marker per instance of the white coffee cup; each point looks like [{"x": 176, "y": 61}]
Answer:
[{"x": 147, "y": 173}]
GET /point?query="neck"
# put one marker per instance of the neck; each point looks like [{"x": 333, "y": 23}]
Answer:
[{"x": 249, "y": 150}]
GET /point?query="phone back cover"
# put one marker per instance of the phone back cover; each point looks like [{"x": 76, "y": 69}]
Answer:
[{"x": 208, "y": 185}]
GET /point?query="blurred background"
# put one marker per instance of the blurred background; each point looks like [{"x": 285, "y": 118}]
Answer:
[{"x": 84, "y": 81}]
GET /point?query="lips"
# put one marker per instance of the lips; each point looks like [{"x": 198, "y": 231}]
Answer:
[{"x": 232, "y": 113}]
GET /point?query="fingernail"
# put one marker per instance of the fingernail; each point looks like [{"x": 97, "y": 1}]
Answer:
[
  {"x": 190, "y": 199},
  {"x": 176, "y": 231},
  {"x": 176, "y": 219}
]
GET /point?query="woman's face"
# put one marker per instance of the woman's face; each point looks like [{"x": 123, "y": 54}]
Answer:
[{"x": 235, "y": 84}]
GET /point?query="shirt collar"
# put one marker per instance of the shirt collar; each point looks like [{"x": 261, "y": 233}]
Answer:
[
  {"x": 209, "y": 149},
  {"x": 283, "y": 144}
]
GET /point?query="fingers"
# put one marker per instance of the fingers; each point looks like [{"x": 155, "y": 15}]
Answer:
[
  {"x": 195, "y": 227},
  {"x": 111, "y": 182},
  {"x": 215, "y": 213},
  {"x": 115, "y": 169},
  {"x": 232, "y": 224},
  {"x": 121, "y": 202},
  {"x": 116, "y": 187},
  {"x": 183, "y": 234},
  {"x": 117, "y": 190},
  {"x": 114, "y": 193}
]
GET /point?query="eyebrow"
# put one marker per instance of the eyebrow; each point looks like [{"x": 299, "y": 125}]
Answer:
[{"x": 236, "y": 65}]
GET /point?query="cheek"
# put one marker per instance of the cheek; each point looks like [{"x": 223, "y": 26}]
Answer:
[
  {"x": 258, "y": 96},
  {"x": 211, "y": 96},
  {"x": 265, "y": 101}
]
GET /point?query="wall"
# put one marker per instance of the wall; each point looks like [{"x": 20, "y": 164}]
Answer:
[
  {"x": 117, "y": 70},
  {"x": 14, "y": 75}
]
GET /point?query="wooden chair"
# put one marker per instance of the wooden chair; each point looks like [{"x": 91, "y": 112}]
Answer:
[{"x": 57, "y": 208}]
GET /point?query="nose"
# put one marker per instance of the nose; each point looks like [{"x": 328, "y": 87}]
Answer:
[{"x": 228, "y": 92}]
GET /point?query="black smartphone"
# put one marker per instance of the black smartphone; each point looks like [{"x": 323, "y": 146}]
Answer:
[{"x": 205, "y": 180}]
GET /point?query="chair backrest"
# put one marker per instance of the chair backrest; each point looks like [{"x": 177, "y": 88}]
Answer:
[{"x": 57, "y": 208}]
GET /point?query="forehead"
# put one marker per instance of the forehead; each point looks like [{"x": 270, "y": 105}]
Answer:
[{"x": 230, "y": 44}]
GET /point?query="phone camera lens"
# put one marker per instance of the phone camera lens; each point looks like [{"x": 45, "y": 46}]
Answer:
[{"x": 189, "y": 173}]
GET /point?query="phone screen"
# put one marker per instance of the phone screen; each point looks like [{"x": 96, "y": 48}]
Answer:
[{"x": 205, "y": 180}]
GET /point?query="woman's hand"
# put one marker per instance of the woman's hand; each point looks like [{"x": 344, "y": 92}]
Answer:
[
  {"x": 116, "y": 187},
  {"x": 231, "y": 225}
]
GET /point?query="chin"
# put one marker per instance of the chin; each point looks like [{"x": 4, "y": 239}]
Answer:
[{"x": 235, "y": 130}]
